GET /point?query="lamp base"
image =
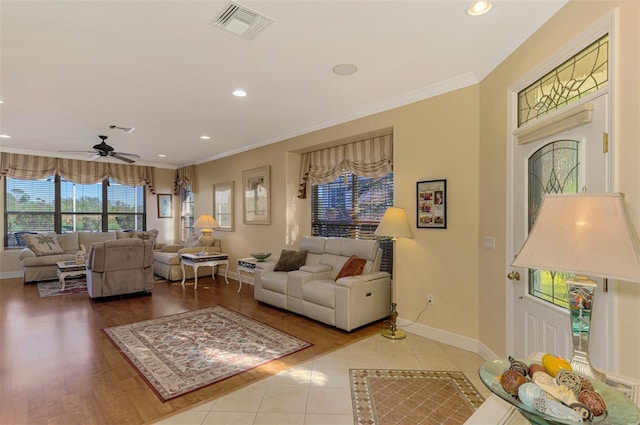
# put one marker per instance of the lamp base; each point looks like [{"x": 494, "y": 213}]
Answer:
[
  {"x": 581, "y": 292},
  {"x": 392, "y": 332}
]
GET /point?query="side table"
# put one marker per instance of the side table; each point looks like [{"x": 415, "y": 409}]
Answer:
[
  {"x": 69, "y": 268},
  {"x": 211, "y": 260},
  {"x": 247, "y": 268}
]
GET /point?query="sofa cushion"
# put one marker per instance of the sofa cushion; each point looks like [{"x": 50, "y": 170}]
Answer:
[
  {"x": 170, "y": 258},
  {"x": 276, "y": 282},
  {"x": 43, "y": 243},
  {"x": 352, "y": 267},
  {"x": 123, "y": 235},
  {"x": 290, "y": 260},
  {"x": 87, "y": 238},
  {"x": 69, "y": 242},
  {"x": 321, "y": 292}
]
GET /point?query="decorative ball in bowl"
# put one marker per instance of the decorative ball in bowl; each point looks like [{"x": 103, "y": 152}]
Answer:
[{"x": 261, "y": 256}]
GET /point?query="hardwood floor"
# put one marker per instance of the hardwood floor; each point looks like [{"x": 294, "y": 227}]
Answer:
[{"x": 57, "y": 367}]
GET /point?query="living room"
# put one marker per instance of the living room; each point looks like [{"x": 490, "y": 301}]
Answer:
[{"x": 460, "y": 136}]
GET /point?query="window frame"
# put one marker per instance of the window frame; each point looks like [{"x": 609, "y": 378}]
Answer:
[
  {"x": 105, "y": 213},
  {"x": 356, "y": 229}
]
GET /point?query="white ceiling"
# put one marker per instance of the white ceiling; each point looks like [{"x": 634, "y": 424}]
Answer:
[{"x": 69, "y": 69}]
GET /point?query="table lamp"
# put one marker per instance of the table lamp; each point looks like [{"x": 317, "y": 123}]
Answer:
[
  {"x": 206, "y": 223},
  {"x": 396, "y": 225},
  {"x": 584, "y": 234}
]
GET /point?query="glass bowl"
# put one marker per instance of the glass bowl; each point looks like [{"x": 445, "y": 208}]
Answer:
[
  {"x": 620, "y": 410},
  {"x": 261, "y": 256}
]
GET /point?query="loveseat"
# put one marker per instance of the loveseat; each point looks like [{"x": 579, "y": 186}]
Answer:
[
  {"x": 120, "y": 267},
  {"x": 166, "y": 261},
  {"x": 45, "y": 249},
  {"x": 316, "y": 288}
]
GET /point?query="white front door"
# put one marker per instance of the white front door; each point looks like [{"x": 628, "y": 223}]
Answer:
[{"x": 567, "y": 162}]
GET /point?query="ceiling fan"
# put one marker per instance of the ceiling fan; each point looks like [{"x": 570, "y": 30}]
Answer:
[{"x": 104, "y": 150}]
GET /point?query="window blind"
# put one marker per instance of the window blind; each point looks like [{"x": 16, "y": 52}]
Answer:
[{"x": 352, "y": 207}]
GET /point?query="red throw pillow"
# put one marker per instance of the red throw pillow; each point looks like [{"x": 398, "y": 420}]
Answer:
[{"x": 352, "y": 267}]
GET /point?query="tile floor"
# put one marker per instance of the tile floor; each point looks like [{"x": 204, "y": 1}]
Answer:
[{"x": 318, "y": 392}]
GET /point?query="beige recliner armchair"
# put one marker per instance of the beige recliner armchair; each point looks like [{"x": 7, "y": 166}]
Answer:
[{"x": 119, "y": 267}]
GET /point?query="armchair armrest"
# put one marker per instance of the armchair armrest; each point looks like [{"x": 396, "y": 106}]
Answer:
[
  {"x": 190, "y": 250},
  {"x": 171, "y": 248},
  {"x": 25, "y": 253},
  {"x": 349, "y": 281}
]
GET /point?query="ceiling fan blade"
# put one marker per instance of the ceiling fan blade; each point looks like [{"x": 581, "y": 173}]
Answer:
[
  {"x": 77, "y": 151},
  {"x": 135, "y": 155},
  {"x": 122, "y": 158}
]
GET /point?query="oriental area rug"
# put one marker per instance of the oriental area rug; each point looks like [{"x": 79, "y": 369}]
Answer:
[
  {"x": 52, "y": 288},
  {"x": 183, "y": 352},
  {"x": 412, "y": 397}
]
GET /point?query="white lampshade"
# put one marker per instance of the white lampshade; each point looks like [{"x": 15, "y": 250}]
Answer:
[
  {"x": 585, "y": 234},
  {"x": 395, "y": 224},
  {"x": 206, "y": 222}
]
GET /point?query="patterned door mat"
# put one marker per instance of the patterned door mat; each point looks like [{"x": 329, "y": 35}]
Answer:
[
  {"x": 412, "y": 397},
  {"x": 183, "y": 352}
]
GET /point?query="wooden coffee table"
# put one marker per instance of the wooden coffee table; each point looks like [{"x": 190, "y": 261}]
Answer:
[
  {"x": 196, "y": 260},
  {"x": 70, "y": 268}
]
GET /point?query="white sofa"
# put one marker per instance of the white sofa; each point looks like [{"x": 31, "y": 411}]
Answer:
[{"x": 312, "y": 291}]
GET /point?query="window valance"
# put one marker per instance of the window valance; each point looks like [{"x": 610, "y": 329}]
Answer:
[
  {"x": 186, "y": 176},
  {"x": 367, "y": 158},
  {"x": 31, "y": 167}
]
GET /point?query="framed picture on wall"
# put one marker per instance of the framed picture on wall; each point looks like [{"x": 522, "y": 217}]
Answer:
[
  {"x": 223, "y": 205},
  {"x": 432, "y": 204},
  {"x": 256, "y": 190},
  {"x": 165, "y": 209}
]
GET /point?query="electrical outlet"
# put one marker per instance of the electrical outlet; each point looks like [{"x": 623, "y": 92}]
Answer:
[{"x": 429, "y": 298}]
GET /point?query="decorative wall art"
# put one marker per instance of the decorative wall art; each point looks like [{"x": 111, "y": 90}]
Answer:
[
  {"x": 256, "y": 195},
  {"x": 165, "y": 209},
  {"x": 223, "y": 205},
  {"x": 432, "y": 204}
]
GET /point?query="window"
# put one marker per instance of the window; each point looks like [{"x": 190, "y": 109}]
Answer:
[
  {"x": 584, "y": 73},
  {"x": 57, "y": 205},
  {"x": 352, "y": 207},
  {"x": 186, "y": 212},
  {"x": 553, "y": 168}
]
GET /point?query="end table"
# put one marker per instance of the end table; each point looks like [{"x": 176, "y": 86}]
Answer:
[
  {"x": 195, "y": 261},
  {"x": 248, "y": 267}
]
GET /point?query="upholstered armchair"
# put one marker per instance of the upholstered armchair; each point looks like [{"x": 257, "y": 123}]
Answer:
[{"x": 119, "y": 267}]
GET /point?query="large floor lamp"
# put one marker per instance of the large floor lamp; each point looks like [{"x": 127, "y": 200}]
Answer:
[
  {"x": 585, "y": 234},
  {"x": 396, "y": 225}
]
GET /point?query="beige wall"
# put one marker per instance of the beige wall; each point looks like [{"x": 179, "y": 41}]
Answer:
[
  {"x": 572, "y": 20},
  {"x": 433, "y": 139}
]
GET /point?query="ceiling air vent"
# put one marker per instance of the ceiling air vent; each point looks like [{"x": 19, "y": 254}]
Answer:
[
  {"x": 241, "y": 21},
  {"x": 125, "y": 129}
]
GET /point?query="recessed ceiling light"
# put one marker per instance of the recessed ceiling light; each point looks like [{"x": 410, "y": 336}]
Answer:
[
  {"x": 1, "y": 101},
  {"x": 205, "y": 137},
  {"x": 5, "y": 136},
  {"x": 345, "y": 69},
  {"x": 239, "y": 93},
  {"x": 161, "y": 155},
  {"x": 479, "y": 8}
]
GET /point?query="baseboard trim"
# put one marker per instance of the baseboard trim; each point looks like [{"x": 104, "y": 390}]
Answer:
[
  {"x": 10, "y": 275},
  {"x": 449, "y": 338}
]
